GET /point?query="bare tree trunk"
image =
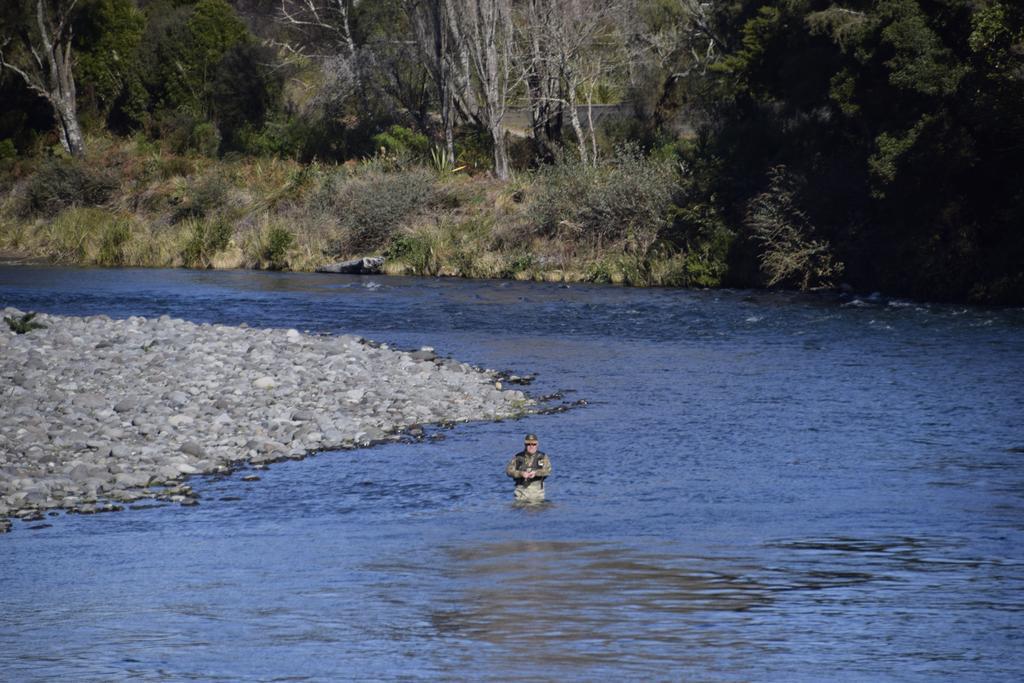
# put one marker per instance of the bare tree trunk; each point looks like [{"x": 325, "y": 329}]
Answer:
[
  {"x": 542, "y": 82},
  {"x": 70, "y": 130},
  {"x": 463, "y": 98},
  {"x": 570, "y": 38},
  {"x": 501, "y": 168},
  {"x": 574, "y": 116},
  {"x": 448, "y": 123},
  {"x": 431, "y": 24},
  {"x": 314, "y": 19},
  {"x": 446, "y": 83},
  {"x": 48, "y": 72},
  {"x": 486, "y": 29},
  {"x": 590, "y": 123},
  {"x": 331, "y": 17},
  {"x": 346, "y": 27}
]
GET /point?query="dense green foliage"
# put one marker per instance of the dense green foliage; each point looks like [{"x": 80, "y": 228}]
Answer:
[
  {"x": 890, "y": 130},
  {"x": 108, "y": 40}
]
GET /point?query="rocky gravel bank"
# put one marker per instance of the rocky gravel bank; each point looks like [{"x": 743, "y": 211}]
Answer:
[{"x": 95, "y": 412}]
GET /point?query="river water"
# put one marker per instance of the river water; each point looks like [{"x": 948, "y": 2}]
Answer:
[{"x": 761, "y": 487}]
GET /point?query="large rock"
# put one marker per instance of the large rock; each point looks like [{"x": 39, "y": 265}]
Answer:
[{"x": 370, "y": 265}]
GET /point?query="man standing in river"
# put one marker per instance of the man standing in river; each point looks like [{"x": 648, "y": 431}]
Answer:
[{"x": 529, "y": 468}]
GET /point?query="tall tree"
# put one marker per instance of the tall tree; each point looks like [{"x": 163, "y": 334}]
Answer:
[
  {"x": 484, "y": 28},
  {"x": 431, "y": 25},
  {"x": 543, "y": 81},
  {"x": 35, "y": 43},
  {"x": 108, "y": 70},
  {"x": 567, "y": 49}
]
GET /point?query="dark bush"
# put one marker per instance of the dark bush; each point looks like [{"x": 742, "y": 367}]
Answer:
[
  {"x": 626, "y": 201},
  {"x": 474, "y": 149},
  {"x": 187, "y": 133},
  {"x": 202, "y": 198},
  {"x": 246, "y": 90},
  {"x": 61, "y": 183},
  {"x": 369, "y": 208}
]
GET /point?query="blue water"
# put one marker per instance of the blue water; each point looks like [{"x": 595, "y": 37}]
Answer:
[{"x": 761, "y": 487}]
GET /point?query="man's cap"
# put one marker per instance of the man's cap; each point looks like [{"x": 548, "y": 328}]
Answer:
[{"x": 530, "y": 438}]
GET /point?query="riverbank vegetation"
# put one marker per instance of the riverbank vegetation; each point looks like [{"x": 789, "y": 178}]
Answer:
[{"x": 792, "y": 143}]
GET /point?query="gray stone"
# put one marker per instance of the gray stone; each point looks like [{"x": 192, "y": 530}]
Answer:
[
  {"x": 177, "y": 398},
  {"x": 89, "y": 401},
  {"x": 131, "y": 479},
  {"x": 80, "y": 473},
  {"x": 126, "y": 404},
  {"x": 370, "y": 265},
  {"x": 193, "y": 448}
]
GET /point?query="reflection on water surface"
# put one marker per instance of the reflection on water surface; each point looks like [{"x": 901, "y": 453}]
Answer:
[{"x": 571, "y": 603}]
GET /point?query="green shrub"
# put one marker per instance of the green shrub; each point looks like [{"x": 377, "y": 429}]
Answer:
[
  {"x": 418, "y": 251},
  {"x": 619, "y": 269},
  {"x": 279, "y": 136},
  {"x": 701, "y": 238},
  {"x": 400, "y": 140},
  {"x": 275, "y": 247},
  {"x": 791, "y": 252},
  {"x": 205, "y": 139},
  {"x": 520, "y": 262},
  {"x": 23, "y": 324},
  {"x": 61, "y": 183},
  {"x": 207, "y": 239},
  {"x": 185, "y": 132},
  {"x": 174, "y": 127},
  {"x": 8, "y": 160}
]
